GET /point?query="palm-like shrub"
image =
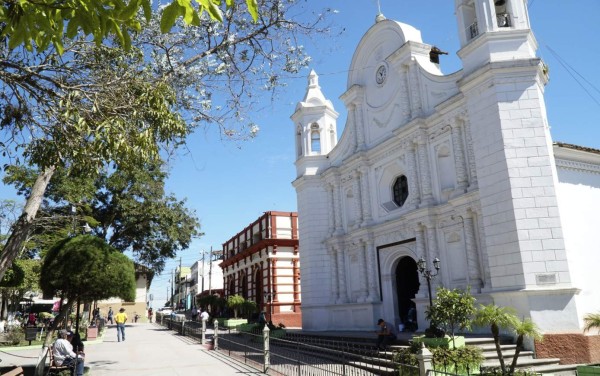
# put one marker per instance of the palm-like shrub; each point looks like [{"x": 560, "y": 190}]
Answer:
[
  {"x": 522, "y": 329},
  {"x": 495, "y": 317},
  {"x": 592, "y": 321},
  {"x": 235, "y": 303},
  {"x": 504, "y": 317}
]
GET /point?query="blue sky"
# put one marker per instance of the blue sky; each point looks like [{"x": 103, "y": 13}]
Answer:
[{"x": 230, "y": 185}]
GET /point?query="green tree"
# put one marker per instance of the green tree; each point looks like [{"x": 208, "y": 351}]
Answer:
[
  {"x": 22, "y": 278},
  {"x": 248, "y": 308},
  {"x": 84, "y": 268},
  {"x": 87, "y": 268},
  {"x": 235, "y": 302},
  {"x": 213, "y": 304},
  {"x": 45, "y": 22},
  {"x": 452, "y": 310},
  {"x": 129, "y": 209},
  {"x": 95, "y": 107}
]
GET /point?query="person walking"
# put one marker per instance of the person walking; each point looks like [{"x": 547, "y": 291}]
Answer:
[
  {"x": 121, "y": 319},
  {"x": 150, "y": 313},
  {"x": 204, "y": 315},
  {"x": 110, "y": 315}
]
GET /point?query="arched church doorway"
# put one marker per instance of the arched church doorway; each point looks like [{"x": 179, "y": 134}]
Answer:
[{"x": 407, "y": 286}]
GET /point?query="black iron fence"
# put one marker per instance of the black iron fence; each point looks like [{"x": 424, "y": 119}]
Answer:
[{"x": 275, "y": 353}]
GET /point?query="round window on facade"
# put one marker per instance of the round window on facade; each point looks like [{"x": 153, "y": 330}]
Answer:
[{"x": 400, "y": 190}]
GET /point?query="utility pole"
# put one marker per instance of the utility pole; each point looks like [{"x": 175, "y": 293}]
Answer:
[
  {"x": 203, "y": 260},
  {"x": 168, "y": 299},
  {"x": 172, "y": 283},
  {"x": 210, "y": 257}
]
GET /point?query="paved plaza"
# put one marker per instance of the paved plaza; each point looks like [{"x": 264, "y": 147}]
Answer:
[{"x": 149, "y": 349}]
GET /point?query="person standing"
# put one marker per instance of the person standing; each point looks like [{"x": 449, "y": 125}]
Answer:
[
  {"x": 110, "y": 315},
  {"x": 121, "y": 319},
  {"x": 150, "y": 313}
]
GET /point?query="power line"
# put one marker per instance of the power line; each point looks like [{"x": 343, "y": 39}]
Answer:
[{"x": 573, "y": 72}]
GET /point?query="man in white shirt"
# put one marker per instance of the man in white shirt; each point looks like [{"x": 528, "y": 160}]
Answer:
[
  {"x": 64, "y": 355},
  {"x": 204, "y": 315}
]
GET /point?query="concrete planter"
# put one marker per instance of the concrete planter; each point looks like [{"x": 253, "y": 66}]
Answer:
[
  {"x": 446, "y": 341},
  {"x": 92, "y": 333},
  {"x": 232, "y": 323},
  {"x": 591, "y": 369}
]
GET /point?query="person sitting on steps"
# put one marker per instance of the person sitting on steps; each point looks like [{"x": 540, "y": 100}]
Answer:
[{"x": 385, "y": 335}]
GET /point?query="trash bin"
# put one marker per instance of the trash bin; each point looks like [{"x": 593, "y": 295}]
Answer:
[{"x": 31, "y": 334}]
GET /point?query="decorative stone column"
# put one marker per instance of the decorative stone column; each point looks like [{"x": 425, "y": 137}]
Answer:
[
  {"x": 473, "y": 259},
  {"x": 337, "y": 209},
  {"x": 356, "y": 188},
  {"x": 335, "y": 289},
  {"x": 424, "y": 170},
  {"x": 366, "y": 196},
  {"x": 343, "y": 291},
  {"x": 414, "y": 195},
  {"x": 459, "y": 157},
  {"x": 371, "y": 257}
]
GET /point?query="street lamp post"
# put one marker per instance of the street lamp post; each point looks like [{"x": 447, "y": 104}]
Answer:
[
  {"x": 269, "y": 299},
  {"x": 429, "y": 274}
]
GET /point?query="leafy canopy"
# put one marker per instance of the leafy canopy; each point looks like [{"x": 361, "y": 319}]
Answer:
[
  {"x": 452, "y": 309},
  {"x": 42, "y": 23},
  {"x": 86, "y": 268},
  {"x": 129, "y": 209}
]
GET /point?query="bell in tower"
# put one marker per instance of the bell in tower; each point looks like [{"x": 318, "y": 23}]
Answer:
[{"x": 493, "y": 30}]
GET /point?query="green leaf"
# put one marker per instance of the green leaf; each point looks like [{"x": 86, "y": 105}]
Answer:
[
  {"x": 72, "y": 28},
  {"x": 252, "y": 9},
  {"x": 147, "y": 9},
  {"x": 59, "y": 46},
  {"x": 215, "y": 12},
  {"x": 130, "y": 10},
  {"x": 169, "y": 16}
]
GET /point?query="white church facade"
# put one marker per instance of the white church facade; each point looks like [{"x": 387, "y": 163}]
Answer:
[{"x": 458, "y": 167}]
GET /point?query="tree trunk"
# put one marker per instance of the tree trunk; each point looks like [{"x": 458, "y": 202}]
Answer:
[
  {"x": 513, "y": 365},
  {"x": 62, "y": 314},
  {"x": 21, "y": 228},
  {"x": 496, "y": 334}
]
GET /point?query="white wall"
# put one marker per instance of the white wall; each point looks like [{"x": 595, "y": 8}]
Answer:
[{"x": 579, "y": 205}]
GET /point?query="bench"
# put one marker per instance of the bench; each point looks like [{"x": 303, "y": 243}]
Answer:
[
  {"x": 54, "y": 369},
  {"x": 15, "y": 372}
]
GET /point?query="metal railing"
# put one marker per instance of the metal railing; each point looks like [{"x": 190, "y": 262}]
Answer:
[{"x": 276, "y": 352}]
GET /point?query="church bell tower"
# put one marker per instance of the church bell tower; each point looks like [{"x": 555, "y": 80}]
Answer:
[
  {"x": 492, "y": 31},
  {"x": 315, "y": 127},
  {"x": 503, "y": 84}
]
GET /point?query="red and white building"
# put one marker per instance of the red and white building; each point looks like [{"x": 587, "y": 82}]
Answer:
[{"x": 261, "y": 263}]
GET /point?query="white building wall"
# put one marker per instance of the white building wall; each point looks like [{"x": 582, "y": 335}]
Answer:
[{"x": 579, "y": 201}]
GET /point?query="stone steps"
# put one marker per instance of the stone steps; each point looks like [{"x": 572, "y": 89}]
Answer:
[{"x": 526, "y": 359}]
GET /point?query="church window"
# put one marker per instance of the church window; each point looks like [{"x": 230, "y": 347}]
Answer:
[
  {"x": 400, "y": 190},
  {"x": 315, "y": 138}
]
